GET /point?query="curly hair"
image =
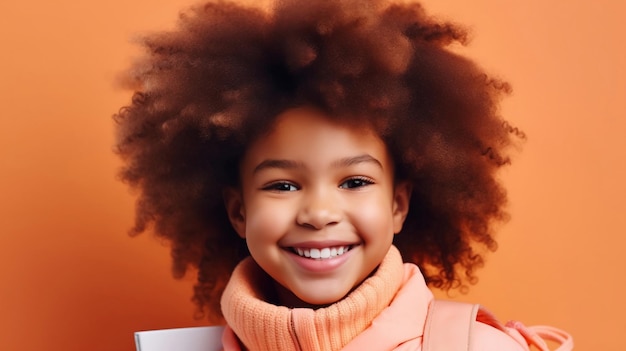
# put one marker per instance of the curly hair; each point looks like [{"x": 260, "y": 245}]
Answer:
[{"x": 205, "y": 90}]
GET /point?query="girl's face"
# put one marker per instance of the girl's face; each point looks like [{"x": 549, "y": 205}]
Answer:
[{"x": 318, "y": 206}]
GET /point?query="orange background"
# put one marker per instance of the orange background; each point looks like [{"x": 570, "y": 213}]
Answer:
[{"x": 72, "y": 279}]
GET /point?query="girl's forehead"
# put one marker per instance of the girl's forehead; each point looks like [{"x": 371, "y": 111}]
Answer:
[
  {"x": 312, "y": 123},
  {"x": 312, "y": 116},
  {"x": 312, "y": 135}
]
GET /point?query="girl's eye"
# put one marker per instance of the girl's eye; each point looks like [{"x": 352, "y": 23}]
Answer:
[
  {"x": 281, "y": 186},
  {"x": 354, "y": 183}
]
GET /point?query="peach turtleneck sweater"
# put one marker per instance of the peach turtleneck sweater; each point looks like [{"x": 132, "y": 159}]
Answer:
[{"x": 260, "y": 325}]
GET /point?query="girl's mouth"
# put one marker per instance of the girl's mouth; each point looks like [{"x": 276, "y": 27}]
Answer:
[{"x": 321, "y": 254}]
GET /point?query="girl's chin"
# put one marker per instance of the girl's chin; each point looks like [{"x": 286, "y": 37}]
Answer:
[{"x": 288, "y": 299}]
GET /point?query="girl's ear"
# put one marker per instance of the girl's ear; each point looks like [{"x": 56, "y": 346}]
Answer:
[
  {"x": 401, "y": 199},
  {"x": 233, "y": 200}
]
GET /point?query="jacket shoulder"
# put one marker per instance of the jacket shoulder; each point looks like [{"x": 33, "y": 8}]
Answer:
[{"x": 452, "y": 325}]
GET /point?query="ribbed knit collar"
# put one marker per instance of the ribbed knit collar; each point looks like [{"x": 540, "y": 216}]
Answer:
[{"x": 263, "y": 326}]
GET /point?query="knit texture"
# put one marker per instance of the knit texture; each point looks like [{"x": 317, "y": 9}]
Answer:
[{"x": 263, "y": 326}]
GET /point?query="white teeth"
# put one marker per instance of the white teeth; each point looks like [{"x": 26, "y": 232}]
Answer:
[
  {"x": 315, "y": 253},
  {"x": 325, "y": 253}
]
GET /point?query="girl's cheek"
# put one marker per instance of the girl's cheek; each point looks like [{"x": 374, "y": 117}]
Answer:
[
  {"x": 372, "y": 217},
  {"x": 268, "y": 217}
]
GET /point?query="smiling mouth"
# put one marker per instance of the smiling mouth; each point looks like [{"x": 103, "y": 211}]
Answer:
[{"x": 322, "y": 254}]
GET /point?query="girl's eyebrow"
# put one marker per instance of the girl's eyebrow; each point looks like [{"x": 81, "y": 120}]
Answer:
[
  {"x": 289, "y": 164},
  {"x": 349, "y": 161},
  {"x": 274, "y": 163}
]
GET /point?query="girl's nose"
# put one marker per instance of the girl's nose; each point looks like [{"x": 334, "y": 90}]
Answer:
[{"x": 318, "y": 210}]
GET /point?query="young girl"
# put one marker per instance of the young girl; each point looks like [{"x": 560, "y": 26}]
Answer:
[{"x": 295, "y": 156}]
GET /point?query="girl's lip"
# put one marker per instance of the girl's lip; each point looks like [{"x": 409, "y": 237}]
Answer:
[
  {"x": 321, "y": 266},
  {"x": 320, "y": 244}
]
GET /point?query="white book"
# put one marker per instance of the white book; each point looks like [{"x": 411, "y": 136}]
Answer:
[{"x": 180, "y": 339}]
